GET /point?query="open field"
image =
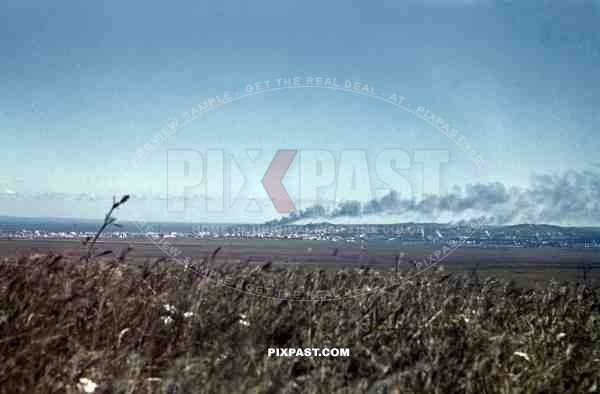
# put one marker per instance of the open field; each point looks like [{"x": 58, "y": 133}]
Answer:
[
  {"x": 525, "y": 266},
  {"x": 108, "y": 327},
  {"x": 146, "y": 325}
]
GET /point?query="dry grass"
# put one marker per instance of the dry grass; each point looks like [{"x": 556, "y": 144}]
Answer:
[{"x": 62, "y": 320}]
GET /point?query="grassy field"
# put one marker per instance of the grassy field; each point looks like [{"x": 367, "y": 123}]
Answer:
[
  {"x": 524, "y": 266},
  {"x": 150, "y": 327}
]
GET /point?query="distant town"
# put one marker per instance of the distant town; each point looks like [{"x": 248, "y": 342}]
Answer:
[{"x": 517, "y": 236}]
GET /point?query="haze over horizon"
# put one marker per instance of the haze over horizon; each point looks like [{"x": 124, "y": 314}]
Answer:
[{"x": 87, "y": 87}]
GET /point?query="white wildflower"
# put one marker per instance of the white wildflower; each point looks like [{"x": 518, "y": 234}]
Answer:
[
  {"x": 523, "y": 355},
  {"x": 223, "y": 356},
  {"x": 86, "y": 385},
  {"x": 561, "y": 336},
  {"x": 170, "y": 308},
  {"x": 187, "y": 315},
  {"x": 166, "y": 319},
  {"x": 243, "y": 320}
]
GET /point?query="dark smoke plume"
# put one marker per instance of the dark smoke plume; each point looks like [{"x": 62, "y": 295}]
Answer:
[{"x": 570, "y": 199}]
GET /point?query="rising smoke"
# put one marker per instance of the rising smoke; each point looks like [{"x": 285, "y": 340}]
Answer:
[{"x": 570, "y": 199}]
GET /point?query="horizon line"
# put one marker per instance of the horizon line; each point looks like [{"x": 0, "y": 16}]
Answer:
[{"x": 99, "y": 220}]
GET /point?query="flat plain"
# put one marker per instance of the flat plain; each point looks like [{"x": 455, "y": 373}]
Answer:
[{"x": 523, "y": 265}]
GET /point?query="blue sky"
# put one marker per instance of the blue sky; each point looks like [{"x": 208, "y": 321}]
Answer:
[{"x": 86, "y": 85}]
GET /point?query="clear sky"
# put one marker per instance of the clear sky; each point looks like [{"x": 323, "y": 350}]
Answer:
[{"x": 86, "y": 84}]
